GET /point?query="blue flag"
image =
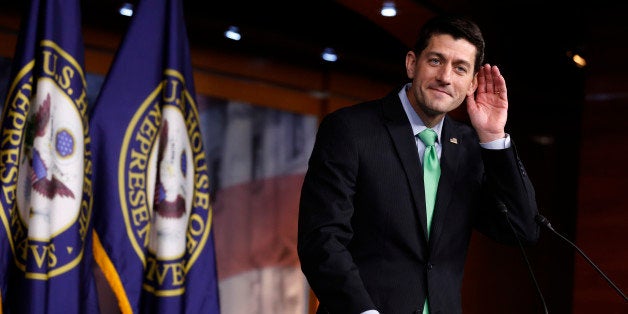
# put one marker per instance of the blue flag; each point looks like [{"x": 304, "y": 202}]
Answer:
[
  {"x": 46, "y": 169},
  {"x": 153, "y": 236}
]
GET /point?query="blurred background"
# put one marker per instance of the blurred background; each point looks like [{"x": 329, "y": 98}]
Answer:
[{"x": 566, "y": 69}]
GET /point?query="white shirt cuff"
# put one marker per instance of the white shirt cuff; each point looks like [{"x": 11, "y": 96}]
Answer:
[{"x": 501, "y": 143}]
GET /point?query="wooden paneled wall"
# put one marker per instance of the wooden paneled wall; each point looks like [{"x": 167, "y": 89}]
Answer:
[{"x": 602, "y": 219}]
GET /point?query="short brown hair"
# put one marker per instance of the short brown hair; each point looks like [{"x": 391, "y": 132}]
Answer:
[{"x": 456, "y": 26}]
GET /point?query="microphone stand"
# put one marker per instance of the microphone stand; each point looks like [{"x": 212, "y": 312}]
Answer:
[
  {"x": 545, "y": 223},
  {"x": 504, "y": 210}
]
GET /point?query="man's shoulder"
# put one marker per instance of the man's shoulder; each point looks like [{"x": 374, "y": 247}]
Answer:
[
  {"x": 358, "y": 110},
  {"x": 369, "y": 106}
]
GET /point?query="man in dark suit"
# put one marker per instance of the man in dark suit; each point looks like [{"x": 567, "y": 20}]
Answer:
[{"x": 364, "y": 242}]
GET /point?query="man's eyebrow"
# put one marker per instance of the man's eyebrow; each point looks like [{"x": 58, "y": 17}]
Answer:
[{"x": 442, "y": 56}]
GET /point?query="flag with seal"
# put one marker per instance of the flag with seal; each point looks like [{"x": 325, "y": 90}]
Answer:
[
  {"x": 46, "y": 169},
  {"x": 153, "y": 235}
]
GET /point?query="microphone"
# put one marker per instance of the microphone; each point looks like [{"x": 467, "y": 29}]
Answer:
[
  {"x": 545, "y": 223},
  {"x": 504, "y": 210}
]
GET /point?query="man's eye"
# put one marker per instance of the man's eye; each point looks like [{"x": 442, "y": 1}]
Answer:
[{"x": 462, "y": 69}]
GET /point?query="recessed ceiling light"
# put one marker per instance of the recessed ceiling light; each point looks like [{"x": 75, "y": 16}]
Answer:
[
  {"x": 329, "y": 55},
  {"x": 233, "y": 33},
  {"x": 126, "y": 9},
  {"x": 389, "y": 9}
]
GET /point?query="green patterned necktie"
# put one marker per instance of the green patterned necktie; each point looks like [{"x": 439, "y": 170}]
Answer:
[{"x": 431, "y": 173}]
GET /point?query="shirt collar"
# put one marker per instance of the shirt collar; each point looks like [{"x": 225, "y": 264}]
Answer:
[{"x": 415, "y": 121}]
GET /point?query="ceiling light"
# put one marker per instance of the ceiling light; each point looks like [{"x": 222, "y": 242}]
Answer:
[
  {"x": 577, "y": 59},
  {"x": 233, "y": 33},
  {"x": 389, "y": 9},
  {"x": 126, "y": 9},
  {"x": 329, "y": 55}
]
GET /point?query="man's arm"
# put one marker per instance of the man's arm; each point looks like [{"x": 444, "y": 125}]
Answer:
[
  {"x": 507, "y": 187},
  {"x": 325, "y": 213}
]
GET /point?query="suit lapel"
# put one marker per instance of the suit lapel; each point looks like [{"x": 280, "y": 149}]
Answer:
[
  {"x": 401, "y": 133},
  {"x": 452, "y": 150}
]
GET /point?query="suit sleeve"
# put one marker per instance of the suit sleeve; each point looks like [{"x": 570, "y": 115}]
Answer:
[
  {"x": 324, "y": 227},
  {"x": 507, "y": 183}
]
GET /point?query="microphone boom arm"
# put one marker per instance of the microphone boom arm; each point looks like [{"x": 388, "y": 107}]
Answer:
[{"x": 545, "y": 223}]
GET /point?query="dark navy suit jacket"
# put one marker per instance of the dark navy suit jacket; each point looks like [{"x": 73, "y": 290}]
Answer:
[{"x": 362, "y": 238}]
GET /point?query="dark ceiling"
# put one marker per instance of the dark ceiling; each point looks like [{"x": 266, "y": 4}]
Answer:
[
  {"x": 530, "y": 40},
  {"x": 295, "y": 32}
]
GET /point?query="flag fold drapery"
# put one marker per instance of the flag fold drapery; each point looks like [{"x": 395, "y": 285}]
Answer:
[
  {"x": 152, "y": 213},
  {"x": 46, "y": 169}
]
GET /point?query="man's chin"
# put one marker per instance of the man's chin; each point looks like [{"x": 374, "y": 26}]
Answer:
[{"x": 434, "y": 110}]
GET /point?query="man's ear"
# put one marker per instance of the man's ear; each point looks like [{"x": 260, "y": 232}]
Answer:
[
  {"x": 473, "y": 86},
  {"x": 410, "y": 64}
]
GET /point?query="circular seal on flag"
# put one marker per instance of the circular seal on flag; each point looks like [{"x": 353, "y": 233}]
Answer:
[
  {"x": 165, "y": 196},
  {"x": 51, "y": 180}
]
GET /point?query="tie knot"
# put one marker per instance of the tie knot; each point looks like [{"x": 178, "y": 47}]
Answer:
[{"x": 428, "y": 137}]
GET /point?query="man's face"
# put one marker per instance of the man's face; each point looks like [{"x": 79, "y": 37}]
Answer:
[{"x": 442, "y": 75}]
